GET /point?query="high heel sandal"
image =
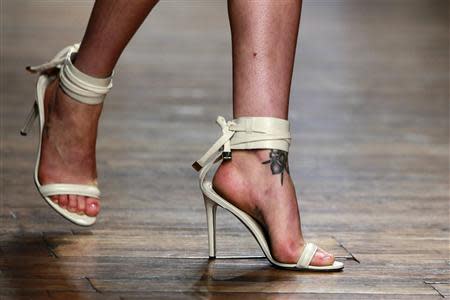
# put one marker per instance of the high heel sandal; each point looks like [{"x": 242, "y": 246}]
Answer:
[
  {"x": 249, "y": 133},
  {"x": 81, "y": 87}
]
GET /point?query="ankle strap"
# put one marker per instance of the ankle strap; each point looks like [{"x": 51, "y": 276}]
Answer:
[
  {"x": 76, "y": 84},
  {"x": 247, "y": 133},
  {"x": 82, "y": 87}
]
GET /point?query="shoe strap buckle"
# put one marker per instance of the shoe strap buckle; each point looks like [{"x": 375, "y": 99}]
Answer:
[{"x": 226, "y": 155}]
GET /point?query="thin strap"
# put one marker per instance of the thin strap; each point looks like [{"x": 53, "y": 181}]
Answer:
[
  {"x": 70, "y": 189},
  {"x": 247, "y": 133},
  {"x": 260, "y": 133},
  {"x": 56, "y": 62},
  {"x": 307, "y": 255},
  {"x": 76, "y": 84},
  {"x": 82, "y": 87}
]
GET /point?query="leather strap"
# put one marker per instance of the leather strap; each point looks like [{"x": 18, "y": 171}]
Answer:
[
  {"x": 307, "y": 255},
  {"x": 70, "y": 189},
  {"x": 82, "y": 87},
  {"x": 247, "y": 133},
  {"x": 76, "y": 84}
]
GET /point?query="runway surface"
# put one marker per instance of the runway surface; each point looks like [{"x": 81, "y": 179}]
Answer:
[{"x": 370, "y": 157}]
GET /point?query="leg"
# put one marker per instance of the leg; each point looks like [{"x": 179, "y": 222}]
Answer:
[
  {"x": 68, "y": 149},
  {"x": 264, "y": 36}
]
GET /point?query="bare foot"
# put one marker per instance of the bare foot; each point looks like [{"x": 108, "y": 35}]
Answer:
[
  {"x": 68, "y": 148},
  {"x": 266, "y": 192}
]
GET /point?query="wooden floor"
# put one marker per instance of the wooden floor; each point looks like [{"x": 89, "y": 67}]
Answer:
[{"x": 370, "y": 155}]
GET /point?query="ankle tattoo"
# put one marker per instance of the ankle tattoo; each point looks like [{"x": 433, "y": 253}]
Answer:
[{"x": 278, "y": 160}]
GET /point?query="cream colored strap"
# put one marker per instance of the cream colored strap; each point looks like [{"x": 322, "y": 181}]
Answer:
[
  {"x": 260, "y": 133},
  {"x": 76, "y": 84},
  {"x": 248, "y": 133},
  {"x": 69, "y": 189},
  {"x": 57, "y": 61},
  {"x": 82, "y": 87},
  {"x": 307, "y": 255},
  {"x": 224, "y": 139}
]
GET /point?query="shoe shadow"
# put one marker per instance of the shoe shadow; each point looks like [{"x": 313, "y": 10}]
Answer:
[
  {"x": 220, "y": 280},
  {"x": 31, "y": 269}
]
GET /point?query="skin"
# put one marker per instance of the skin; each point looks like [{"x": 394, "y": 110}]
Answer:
[
  {"x": 70, "y": 158},
  {"x": 264, "y": 37}
]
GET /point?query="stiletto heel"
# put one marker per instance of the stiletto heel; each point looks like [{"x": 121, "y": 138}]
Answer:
[
  {"x": 80, "y": 87},
  {"x": 34, "y": 112},
  {"x": 249, "y": 133},
  {"x": 211, "y": 208}
]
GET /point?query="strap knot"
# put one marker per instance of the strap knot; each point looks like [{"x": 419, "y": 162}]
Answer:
[
  {"x": 56, "y": 62},
  {"x": 222, "y": 145},
  {"x": 78, "y": 85},
  {"x": 247, "y": 133},
  {"x": 226, "y": 131}
]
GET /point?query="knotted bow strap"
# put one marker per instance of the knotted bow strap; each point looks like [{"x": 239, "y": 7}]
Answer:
[
  {"x": 248, "y": 133},
  {"x": 223, "y": 143},
  {"x": 76, "y": 84}
]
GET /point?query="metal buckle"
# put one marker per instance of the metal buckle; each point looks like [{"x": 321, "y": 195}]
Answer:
[{"x": 226, "y": 155}]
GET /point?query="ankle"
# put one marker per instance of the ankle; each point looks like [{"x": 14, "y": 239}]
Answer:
[
  {"x": 243, "y": 170},
  {"x": 254, "y": 154},
  {"x": 65, "y": 115},
  {"x": 72, "y": 111}
]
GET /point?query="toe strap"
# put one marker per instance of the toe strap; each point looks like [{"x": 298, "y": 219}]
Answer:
[
  {"x": 70, "y": 189},
  {"x": 307, "y": 255}
]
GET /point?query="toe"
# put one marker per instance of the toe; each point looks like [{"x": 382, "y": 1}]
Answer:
[
  {"x": 322, "y": 258},
  {"x": 55, "y": 198},
  {"x": 73, "y": 204},
  {"x": 63, "y": 201},
  {"x": 92, "y": 207},
  {"x": 81, "y": 204}
]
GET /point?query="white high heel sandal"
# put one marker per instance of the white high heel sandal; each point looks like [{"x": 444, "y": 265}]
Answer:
[
  {"x": 81, "y": 87},
  {"x": 249, "y": 133}
]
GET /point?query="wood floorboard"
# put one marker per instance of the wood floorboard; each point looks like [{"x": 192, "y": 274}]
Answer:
[{"x": 369, "y": 114}]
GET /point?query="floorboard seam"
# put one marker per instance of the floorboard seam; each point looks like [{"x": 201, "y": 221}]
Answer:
[
  {"x": 345, "y": 248},
  {"x": 48, "y": 246},
  {"x": 92, "y": 285},
  {"x": 430, "y": 284}
]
